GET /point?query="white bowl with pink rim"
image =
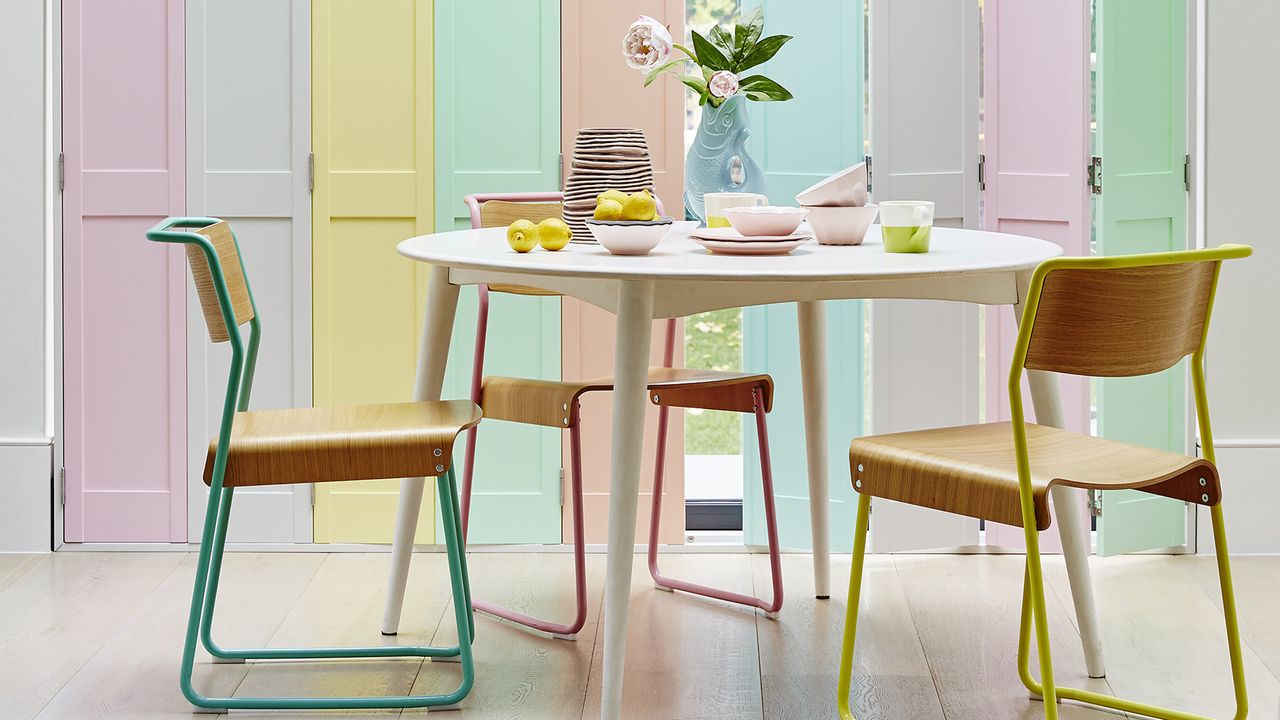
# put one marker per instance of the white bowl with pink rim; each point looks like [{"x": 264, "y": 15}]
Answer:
[
  {"x": 765, "y": 220},
  {"x": 847, "y": 188}
]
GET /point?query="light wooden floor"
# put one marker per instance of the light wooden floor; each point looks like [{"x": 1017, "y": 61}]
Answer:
[{"x": 97, "y": 635}]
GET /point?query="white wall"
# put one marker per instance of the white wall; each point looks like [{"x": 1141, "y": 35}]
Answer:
[
  {"x": 1241, "y": 185},
  {"x": 26, "y": 455}
]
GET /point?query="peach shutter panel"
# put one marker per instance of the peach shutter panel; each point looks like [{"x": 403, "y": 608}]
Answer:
[{"x": 598, "y": 89}]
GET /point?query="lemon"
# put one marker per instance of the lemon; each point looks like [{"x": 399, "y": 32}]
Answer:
[
  {"x": 618, "y": 195},
  {"x": 608, "y": 209},
  {"x": 640, "y": 206},
  {"x": 522, "y": 236},
  {"x": 553, "y": 234}
]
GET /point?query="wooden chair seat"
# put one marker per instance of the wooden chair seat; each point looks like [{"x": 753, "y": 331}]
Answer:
[
  {"x": 353, "y": 442},
  {"x": 971, "y": 470},
  {"x": 551, "y": 402}
]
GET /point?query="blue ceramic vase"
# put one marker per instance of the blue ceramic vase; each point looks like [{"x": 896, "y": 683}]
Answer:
[{"x": 718, "y": 159}]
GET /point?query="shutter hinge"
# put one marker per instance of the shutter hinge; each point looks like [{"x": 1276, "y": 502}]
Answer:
[
  {"x": 311, "y": 172},
  {"x": 1186, "y": 173},
  {"x": 1095, "y": 175},
  {"x": 866, "y": 159},
  {"x": 561, "y": 487},
  {"x": 62, "y": 486},
  {"x": 982, "y": 172},
  {"x": 1094, "y": 503},
  {"x": 62, "y": 171}
]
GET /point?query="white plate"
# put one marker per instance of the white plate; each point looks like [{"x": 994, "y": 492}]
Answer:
[
  {"x": 728, "y": 234},
  {"x": 737, "y": 247}
]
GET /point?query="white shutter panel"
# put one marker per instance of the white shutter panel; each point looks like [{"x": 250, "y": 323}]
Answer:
[
  {"x": 248, "y": 130},
  {"x": 924, "y": 146}
]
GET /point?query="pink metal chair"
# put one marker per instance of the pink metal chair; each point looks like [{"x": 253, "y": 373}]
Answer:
[{"x": 556, "y": 404}]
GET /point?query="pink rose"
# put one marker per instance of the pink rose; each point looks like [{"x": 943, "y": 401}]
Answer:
[
  {"x": 723, "y": 84},
  {"x": 646, "y": 44}
]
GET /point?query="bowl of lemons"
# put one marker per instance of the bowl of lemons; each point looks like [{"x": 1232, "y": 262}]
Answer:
[
  {"x": 551, "y": 234},
  {"x": 628, "y": 224}
]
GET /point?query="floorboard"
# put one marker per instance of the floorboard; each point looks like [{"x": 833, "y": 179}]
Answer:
[
  {"x": 61, "y": 611},
  {"x": 966, "y": 613},
  {"x": 98, "y": 635},
  {"x": 800, "y": 651}
]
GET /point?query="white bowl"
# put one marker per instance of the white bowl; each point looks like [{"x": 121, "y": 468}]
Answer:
[
  {"x": 847, "y": 188},
  {"x": 841, "y": 225},
  {"x": 629, "y": 237},
  {"x": 765, "y": 220}
]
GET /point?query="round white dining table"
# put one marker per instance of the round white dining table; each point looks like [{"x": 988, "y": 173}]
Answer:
[{"x": 680, "y": 278}]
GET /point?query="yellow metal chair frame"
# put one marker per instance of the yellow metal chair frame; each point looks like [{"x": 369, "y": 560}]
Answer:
[{"x": 1033, "y": 599}]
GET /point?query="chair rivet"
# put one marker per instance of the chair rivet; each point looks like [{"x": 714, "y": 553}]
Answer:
[
  {"x": 655, "y": 399},
  {"x": 564, "y": 406},
  {"x": 1203, "y": 482},
  {"x": 857, "y": 484},
  {"x": 566, "y": 421},
  {"x": 1204, "y": 497},
  {"x": 439, "y": 468},
  {"x": 438, "y": 452},
  {"x": 859, "y": 467}
]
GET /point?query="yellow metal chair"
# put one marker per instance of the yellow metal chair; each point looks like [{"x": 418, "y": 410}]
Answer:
[{"x": 1103, "y": 317}]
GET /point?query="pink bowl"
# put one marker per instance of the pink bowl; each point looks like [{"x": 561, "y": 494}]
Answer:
[{"x": 765, "y": 220}]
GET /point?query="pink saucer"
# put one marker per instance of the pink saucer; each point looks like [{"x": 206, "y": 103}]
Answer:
[
  {"x": 728, "y": 234},
  {"x": 753, "y": 247}
]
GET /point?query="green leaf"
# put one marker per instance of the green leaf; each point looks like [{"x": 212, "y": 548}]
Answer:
[
  {"x": 747, "y": 32},
  {"x": 762, "y": 89},
  {"x": 654, "y": 73},
  {"x": 709, "y": 55},
  {"x": 722, "y": 39},
  {"x": 694, "y": 83},
  {"x": 763, "y": 51}
]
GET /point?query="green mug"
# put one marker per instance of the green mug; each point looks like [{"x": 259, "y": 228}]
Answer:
[{"x": 906, "y": 225}]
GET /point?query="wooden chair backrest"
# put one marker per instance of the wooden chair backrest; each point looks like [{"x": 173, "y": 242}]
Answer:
[
  {"x": 501, "y": 213},
  {"x": 1121, "y": 322},
  {"x": 224, "y": 244}
]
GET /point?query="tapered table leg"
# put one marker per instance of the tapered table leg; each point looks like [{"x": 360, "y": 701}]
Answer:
[
  {"x": 631, "y": 371},
  {"x": 433, "y": 354},
  {"x": 812, "y": 318}
]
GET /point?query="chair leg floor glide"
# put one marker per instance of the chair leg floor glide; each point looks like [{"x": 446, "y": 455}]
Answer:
[{"x": 205, "y": 594}]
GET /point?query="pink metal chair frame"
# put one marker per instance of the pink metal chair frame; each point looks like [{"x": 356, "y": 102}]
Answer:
[{"x": 570, "y": 629}]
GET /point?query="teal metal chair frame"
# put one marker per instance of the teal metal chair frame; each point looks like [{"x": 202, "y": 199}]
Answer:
[{"x": 213, "y": 538}]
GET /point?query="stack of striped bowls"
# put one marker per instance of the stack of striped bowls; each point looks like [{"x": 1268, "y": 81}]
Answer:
[{"x": 604, "y": 159}]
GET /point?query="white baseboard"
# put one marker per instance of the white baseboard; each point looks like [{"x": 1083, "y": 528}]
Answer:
[{"x": 26, "y": 497}]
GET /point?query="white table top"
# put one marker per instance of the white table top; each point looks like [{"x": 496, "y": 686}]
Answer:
[{"x": 953, "y": 252}]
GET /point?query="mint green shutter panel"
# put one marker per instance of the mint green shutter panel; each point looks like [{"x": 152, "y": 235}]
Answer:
[
  {"x": 1142, "y": 139},
  {"x": 497, "y": 113},
  {"x": 798, "y": 143}
]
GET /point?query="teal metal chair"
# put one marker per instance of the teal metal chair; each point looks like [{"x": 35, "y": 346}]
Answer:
[{"x": 307, "y": 445}]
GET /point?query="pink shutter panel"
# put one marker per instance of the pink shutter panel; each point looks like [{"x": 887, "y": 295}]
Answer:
[
  {"x": 1036, "y": 68},
  {"x": 125, "y": 326}
]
